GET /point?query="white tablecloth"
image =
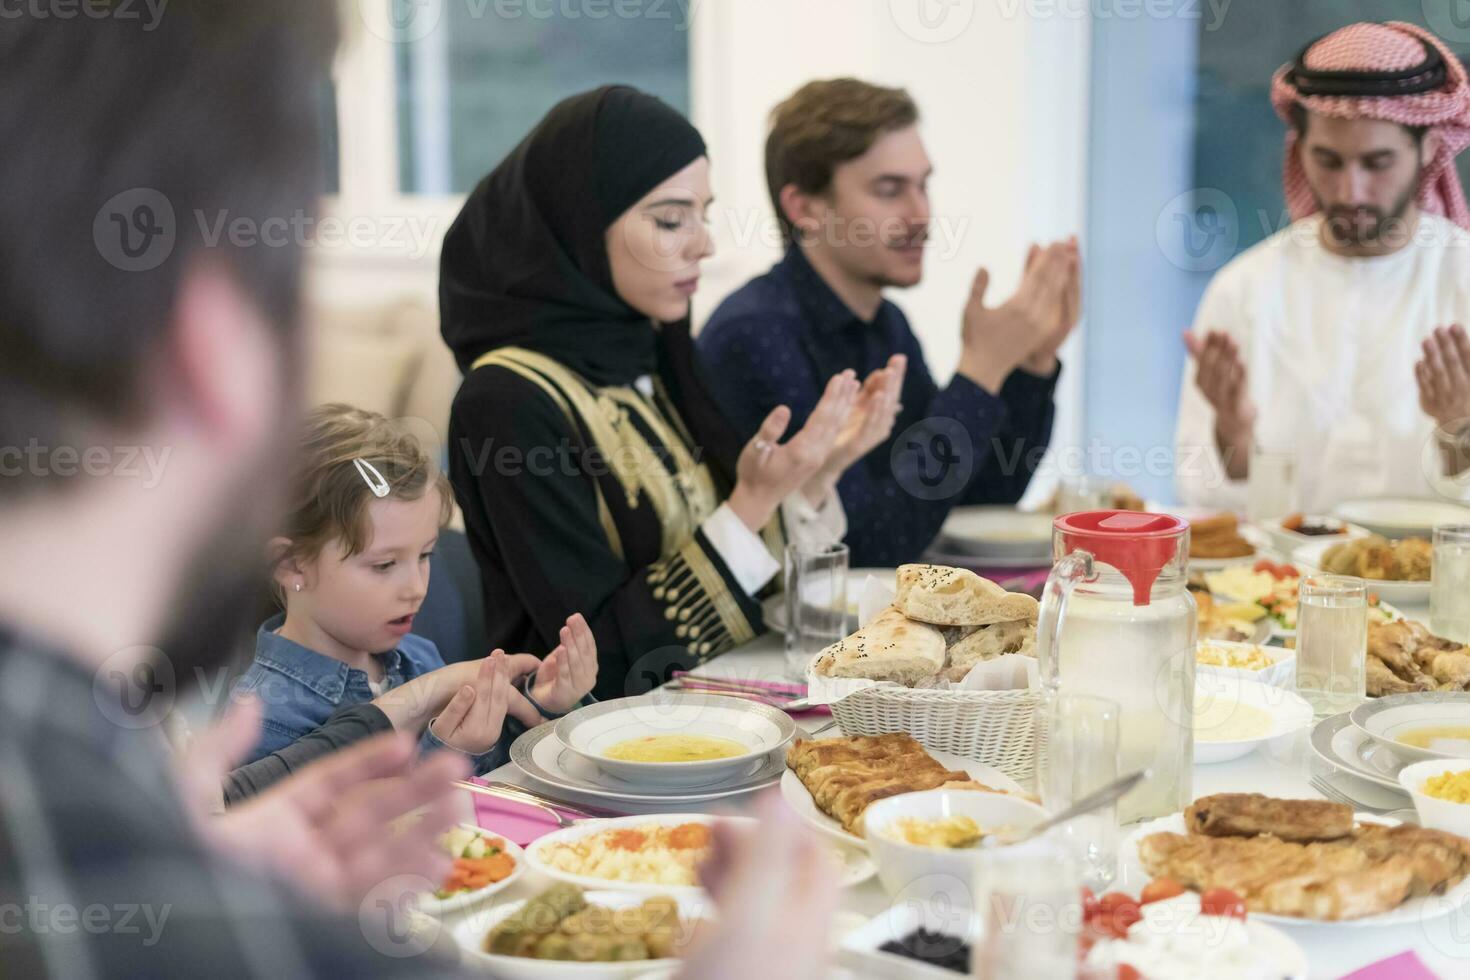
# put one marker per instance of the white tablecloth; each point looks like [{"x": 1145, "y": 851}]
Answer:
[{"x": 1282, "y": 769}]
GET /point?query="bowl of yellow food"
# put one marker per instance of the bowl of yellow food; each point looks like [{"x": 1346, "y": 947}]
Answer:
[
  {"x": 1275, "y": 666},
  {"x": 1418, "y": 727},
  {"x": 1234, "y": 717},
  {"x": 675, "y": 739},
  {"x": 1441, "y": 794},
  {"x": 939, "y": 832}
]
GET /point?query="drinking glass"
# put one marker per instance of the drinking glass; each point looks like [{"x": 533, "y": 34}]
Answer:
[
  {"x": 1078, "y": 493},
  {"x": 816, "y": 603},
  {"x": 1271, "y": 486},
  {"x": 1081, "y": 756},
  {"x": 1449, "y": 584},
  {"x": 1028, "y": 898},
  {"x": 1332, "y": 643}
]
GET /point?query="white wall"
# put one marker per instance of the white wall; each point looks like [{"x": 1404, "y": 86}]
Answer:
[{"x": 1004, "y": 102}]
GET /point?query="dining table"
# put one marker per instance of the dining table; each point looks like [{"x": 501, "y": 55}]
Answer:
[{"x": 1282, "y": 768}]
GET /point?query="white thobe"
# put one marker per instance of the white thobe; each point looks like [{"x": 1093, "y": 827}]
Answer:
[{"x": 1329, "y": 344}]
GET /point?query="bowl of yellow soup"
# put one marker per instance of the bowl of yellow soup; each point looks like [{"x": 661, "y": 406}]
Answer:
[
  {"x": 1441, "y": 794},
  {"x": 675, "y": 739},
  {"x": 1434, "y": 725},
  {"x": 1234, "y": 717}
]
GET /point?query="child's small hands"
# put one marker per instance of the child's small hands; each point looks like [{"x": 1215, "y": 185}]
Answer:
[
  {"x": 569, "y": 671},
  {"x": 474, "y": 717}
]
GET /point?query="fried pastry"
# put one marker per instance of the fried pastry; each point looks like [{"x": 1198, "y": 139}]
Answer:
[{"x": 1249, "y": 814}]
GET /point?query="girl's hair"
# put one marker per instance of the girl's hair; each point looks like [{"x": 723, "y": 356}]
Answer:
[{"x": 329, "y": 496}]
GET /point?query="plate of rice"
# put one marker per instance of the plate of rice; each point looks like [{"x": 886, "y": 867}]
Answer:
[{"x": 649, "y": 854}]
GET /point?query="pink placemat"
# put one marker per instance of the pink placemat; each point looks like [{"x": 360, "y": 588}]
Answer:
[
  {"x": 1405, "y": 966},
  {"x": 522, "y": 824}
]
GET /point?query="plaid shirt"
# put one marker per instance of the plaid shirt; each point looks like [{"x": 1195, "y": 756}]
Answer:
[{"x": 102, "y": 876}]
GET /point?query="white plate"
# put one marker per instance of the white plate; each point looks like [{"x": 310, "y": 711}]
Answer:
[
  {"x": 859, "y": 950},
  {"x": 535, "y": 852},
  {"x": 774, "y": 608},
  {"x": 1342, "y": 745},
  {"x": 430, "y": 904},
  {"x": 797, "y": 797},
  {"x": 1407, "y": 593},
  {"x": 1402, "y": 517},
  {"x": 539, "y": 754},
  {"x": 1384, "y": 719},
  {"x": 1413, "y": 912},
  {"x": 1281, "y": 673},
  {"x": 592, "y": 730},
  {"x": 1288, "y": 710},
  {"x": 1288, "y": 541},
  {"x": 986, "y": 532},
  {"x": 470, "y": 936}
]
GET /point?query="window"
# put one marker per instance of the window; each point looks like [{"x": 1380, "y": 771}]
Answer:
[{"x": 470, "y": 89}]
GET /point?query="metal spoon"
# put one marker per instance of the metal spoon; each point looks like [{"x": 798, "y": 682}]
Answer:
[{"x": 1092, "y": 801}]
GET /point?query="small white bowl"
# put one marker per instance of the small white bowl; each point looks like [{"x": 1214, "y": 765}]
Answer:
[
  {"x": 1288, "y": 710},
  {"x": 1434, "y": 813},
  {"x": 470, "y": 936},
  {"x": 1280, "y": 673},
  {"x": 900, "y": 864},
  {"x": 589, "y": 732}
]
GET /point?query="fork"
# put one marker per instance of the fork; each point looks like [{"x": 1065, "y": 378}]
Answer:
[{"x": 1338, "y": 796}]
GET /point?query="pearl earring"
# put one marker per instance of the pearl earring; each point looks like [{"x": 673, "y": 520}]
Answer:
[{"x": 298, "y": 586}]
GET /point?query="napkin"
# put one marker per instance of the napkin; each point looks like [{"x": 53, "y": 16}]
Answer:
[
  {"x": 1404, "y": 966},
  {"x": 514, "y": 821}
]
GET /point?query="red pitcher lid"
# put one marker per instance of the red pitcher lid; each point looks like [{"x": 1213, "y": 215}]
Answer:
[{"x": 1138, "y": 545}]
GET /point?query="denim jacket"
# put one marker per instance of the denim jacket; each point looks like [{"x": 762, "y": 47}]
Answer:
[{"x": 299, "y": 689}]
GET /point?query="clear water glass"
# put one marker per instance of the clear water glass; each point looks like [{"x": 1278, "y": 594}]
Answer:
[
  {"x": 1271, "y": 488},
  {"x": 1332, "y": 643},
  {"x": 1081, "y": 757},
  {"x": 1449, "y": 585},
  {"x": 816, "y": 603},
  {"x": 1029, "y": 902}
]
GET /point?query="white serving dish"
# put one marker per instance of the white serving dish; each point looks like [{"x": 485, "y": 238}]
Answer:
[
  {"x": 536, "y": 860},
  {"x": 1181, "y": 916},
  {"x": 1288, "y": 541},
  {"x": 1402, "y": 593},
  {"x": 1288, "y": 710},
  {"x": 430, "y": 904},
  {"x": 797, "y": 797},
  {"x": 1385, "y": 719},
  {"x": 1434, "y": 813},
  {"x": 1412, "y": 913},
  {"x": 900, "y": 864},
  {"x": 985, "y": 532},
  {"x": 542, "y": 756},
  {"x": 470, "y": 934},
  {"x": 1281, "y": 672},
  {"x": 591, "y": 731},
  {"x": 859, "y": 950},
  {"x": 1402, "y": 517}
]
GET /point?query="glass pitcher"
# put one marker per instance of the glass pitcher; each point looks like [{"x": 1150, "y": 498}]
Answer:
[{"x": 1118, "y": 622}]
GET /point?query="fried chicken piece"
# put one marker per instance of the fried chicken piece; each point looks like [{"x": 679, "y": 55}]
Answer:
[
  {"x": 1438, "y": 860},
  {"x": 1452, "y": 670},
  {"x": 1414, "y": 557},
  {"x": 1376, "y": 562},
  {"x": 1395, "y": 644},
  {"x": 1383, "y": 682}
]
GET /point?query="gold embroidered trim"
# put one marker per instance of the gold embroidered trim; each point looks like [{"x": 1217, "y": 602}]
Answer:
[{"x": 604, "y": 515}]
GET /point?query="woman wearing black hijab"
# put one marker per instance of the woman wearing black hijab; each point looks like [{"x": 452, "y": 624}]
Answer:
[{"x": 593, "y": 470}]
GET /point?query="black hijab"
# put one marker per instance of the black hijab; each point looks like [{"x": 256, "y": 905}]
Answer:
[{"x": 525, "y": 263}]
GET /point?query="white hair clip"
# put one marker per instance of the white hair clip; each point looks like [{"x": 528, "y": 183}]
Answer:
[{"x": 380, "y": 487}]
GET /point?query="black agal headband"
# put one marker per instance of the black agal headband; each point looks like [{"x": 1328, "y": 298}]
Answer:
[{"x": 1428, "y": 75}]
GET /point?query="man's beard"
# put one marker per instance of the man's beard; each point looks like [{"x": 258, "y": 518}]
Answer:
[
  {"x": 222, "y": 597},
  {"x": 1344, "y": 229}
]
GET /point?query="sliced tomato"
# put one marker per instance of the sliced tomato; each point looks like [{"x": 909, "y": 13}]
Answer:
[
  {"x": 1222, "y": 901},
  {"x": 1089, "y": 903},
  {"x": 1126, "y": 972},
  {"x": 1160, "y": 889}
]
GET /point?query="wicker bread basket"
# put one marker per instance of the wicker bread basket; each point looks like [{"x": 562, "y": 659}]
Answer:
[{"x": 994, "y": 727}]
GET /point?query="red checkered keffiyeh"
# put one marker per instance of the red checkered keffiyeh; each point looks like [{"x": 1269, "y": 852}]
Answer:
[{"x": 1396, "y": 72}]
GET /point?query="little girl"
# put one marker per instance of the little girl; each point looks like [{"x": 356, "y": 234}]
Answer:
[{"x": 351, "y": 569}]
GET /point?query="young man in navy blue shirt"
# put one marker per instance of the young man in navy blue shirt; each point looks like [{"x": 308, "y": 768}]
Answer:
[{"x": 848, "y": 177}]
